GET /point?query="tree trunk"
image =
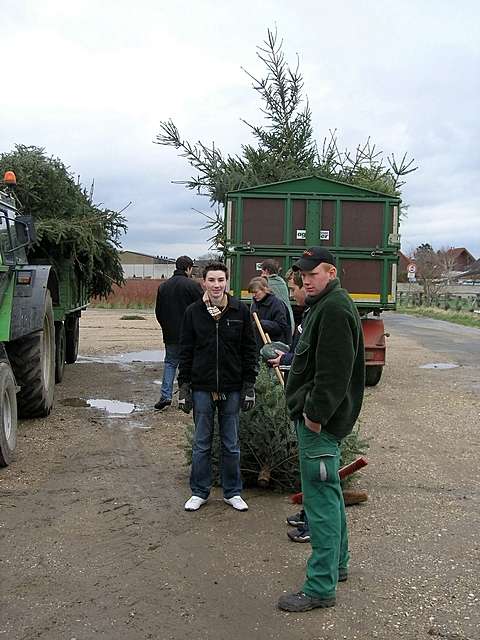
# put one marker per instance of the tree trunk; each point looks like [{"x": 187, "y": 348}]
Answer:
[{"x": 263, "y": 479}]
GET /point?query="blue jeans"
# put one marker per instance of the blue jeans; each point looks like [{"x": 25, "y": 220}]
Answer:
[
  {"x": 228, "y": 420},
  {"x": 170, "y": 365}
]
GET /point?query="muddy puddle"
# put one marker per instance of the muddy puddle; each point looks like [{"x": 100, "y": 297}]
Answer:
[
  {"x": 125, "y": 358},
  {"x": 112, "y": 408},
  {"x": 439, "y": 365},
  {"x": 124, "y": 412}
]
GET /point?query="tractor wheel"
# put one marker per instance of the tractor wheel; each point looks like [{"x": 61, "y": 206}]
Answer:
[
  {"x": 72, "y": 333},
  {"x": 8, "y": 415},
  {"x": 60, "y": 347},
  {"x": 373, "y": 375},
  {"x": 33, "y": 362}
]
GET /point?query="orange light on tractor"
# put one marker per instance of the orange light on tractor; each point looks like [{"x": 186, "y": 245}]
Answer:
[{"x": 10, "y": 178}]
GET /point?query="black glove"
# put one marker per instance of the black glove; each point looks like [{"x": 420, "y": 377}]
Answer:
[
  {"x": 247, "y": 397},
  {"x": 185, "y": 398}
]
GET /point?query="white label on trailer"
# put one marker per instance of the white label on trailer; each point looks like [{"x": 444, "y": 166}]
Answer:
[
  {"x": 324, "y": 234},
  {"x": 394, "y": 283},
  {"x": 229, "y": 219},
  {"x": 301, "y": 234},
  {"x": 258, "y": 266}
]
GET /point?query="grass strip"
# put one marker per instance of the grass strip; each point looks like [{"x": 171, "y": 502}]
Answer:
[{"x": 466, "y": 318}]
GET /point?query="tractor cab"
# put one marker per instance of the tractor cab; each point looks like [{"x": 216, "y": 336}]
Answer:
[{"x": 17, "y": 232}]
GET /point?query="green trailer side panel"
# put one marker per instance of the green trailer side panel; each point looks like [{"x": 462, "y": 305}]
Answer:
[
  {"x": 6, "y": 311},
  {"x": 72, "y": 292},
  {"x": 280, "y": 220},
  {"x": 312, "y": 236}
]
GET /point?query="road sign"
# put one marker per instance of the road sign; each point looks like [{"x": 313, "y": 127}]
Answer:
[{"x": 412, "y": 268}]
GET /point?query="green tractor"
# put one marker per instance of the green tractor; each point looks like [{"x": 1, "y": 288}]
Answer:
[{"x": 40, "y": 307}]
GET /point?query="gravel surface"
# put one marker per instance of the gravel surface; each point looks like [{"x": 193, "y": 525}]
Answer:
[{"x": 96, "y": 543}]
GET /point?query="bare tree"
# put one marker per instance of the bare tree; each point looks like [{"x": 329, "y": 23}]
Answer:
[
  {"x": 429, "y": 271},
  {"x": 447, "y": 262}
]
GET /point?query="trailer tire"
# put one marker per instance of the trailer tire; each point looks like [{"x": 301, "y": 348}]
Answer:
[
  {"x": 373, "y": 375},
  {"x": 60, "y": 347},
  {"x": 72, "y": 336},
  {"x": 8, "y": 415},
  {"x": 33, "y": 362}
]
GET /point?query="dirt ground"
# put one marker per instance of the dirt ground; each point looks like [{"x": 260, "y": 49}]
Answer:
[{"x": 96, "y": 544}]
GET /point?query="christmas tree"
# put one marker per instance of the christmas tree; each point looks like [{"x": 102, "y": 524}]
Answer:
[{"x": 268, "y": 442}]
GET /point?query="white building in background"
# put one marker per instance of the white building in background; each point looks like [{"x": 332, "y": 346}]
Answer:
[{"x": 141, "y": 265}]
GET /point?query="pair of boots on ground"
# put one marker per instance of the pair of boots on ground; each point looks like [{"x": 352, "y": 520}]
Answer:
[
  {"x": 300, "y": 601},
  {"x": 301, "y": 532}
]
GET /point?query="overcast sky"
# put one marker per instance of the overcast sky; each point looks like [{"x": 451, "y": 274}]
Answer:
[{"x": 90, "y": 81}]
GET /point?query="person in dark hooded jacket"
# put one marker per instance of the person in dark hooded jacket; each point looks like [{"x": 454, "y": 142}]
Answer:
[
  {"x": 272, "y": 313},
  {"x": 173, "y": 297}
]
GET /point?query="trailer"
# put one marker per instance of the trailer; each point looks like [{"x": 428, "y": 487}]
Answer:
[
  {"x": 359, "y": 226},
  {"x": 40, "y": 306}
]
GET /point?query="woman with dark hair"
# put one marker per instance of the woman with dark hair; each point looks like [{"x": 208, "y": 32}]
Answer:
[{"x": 272, "y": 313}]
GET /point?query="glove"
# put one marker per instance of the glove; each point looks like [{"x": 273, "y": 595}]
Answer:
[
  {"x": 247, "y": 396},
  {"x": 185, "y": 403}
]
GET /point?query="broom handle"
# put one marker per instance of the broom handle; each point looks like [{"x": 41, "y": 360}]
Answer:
[
  {"x": 266, "y": 340},
  {"x": 343, "y": 472},
  {"x": 348, "y": 469}
]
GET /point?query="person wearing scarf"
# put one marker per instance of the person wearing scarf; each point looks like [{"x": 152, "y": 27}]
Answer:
[{"x": 216, "y": 375}]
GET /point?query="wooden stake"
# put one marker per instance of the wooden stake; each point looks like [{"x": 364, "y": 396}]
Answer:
[{"x": 266, "y": 340}]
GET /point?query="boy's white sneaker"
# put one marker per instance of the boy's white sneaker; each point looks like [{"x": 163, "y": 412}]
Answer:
[
  {"x": 237, "y": 502},
  {"x": 194, "y": 503}
]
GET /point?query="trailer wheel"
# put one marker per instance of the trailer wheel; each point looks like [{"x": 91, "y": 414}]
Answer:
[
  {"x": 373, "y": 375},
  {"x": 60, "y": 346},
  {"x": 72, "y": 333},
  {"x": 8, "y": 415},
  {"x": 33, "y": 363}
]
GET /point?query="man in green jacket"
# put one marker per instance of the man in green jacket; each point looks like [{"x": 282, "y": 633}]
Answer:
[{"x": 324, "y": 397}]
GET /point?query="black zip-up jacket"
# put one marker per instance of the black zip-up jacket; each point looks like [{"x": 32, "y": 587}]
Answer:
[
  {"x": 273, "y": 315},
  {"x": 217, "y": 356},
  {"x": 173, "y": 297}
]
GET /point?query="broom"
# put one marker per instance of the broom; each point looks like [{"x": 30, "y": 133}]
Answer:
[{"x": 347, "y": 470}]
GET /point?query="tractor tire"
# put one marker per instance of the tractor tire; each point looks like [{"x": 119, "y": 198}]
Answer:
[
  {"x": 373, "y": 375},
  {"x": 60, "y": 349},
  {"x": 8, "y": 415},
  {"x": 33, "y": 362},
  {"x": 72, "y": 334}
]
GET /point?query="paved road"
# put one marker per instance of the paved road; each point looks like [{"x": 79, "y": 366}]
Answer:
[{"x": 460, "y": 344}]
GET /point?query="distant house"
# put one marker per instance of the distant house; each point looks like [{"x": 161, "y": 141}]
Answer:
[
  {"x": 472, "y": 274},
  {"x": 462, "y": 258},
  {"x": 403, "y": 262},
  {"x": 142, "y": 265}
]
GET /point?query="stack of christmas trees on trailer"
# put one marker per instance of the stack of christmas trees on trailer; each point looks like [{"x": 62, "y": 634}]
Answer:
[{"x": 69, "y": 225}]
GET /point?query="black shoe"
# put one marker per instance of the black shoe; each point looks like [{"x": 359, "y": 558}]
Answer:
[
  {"x": 161, "y": 404},
  {"x": 297, "y": 520},
  {"x": 342, "y": 575},
  {"x": 301, "y": 534},
  {"x": 302, "y": 602}
]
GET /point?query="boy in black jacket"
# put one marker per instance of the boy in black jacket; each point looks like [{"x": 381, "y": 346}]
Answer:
[
  {"x": 217, "y": 372},
  {"x": 173, "y": 297}
]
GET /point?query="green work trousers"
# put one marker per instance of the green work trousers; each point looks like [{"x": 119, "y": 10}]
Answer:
[{"x": 323, "y": 503}]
